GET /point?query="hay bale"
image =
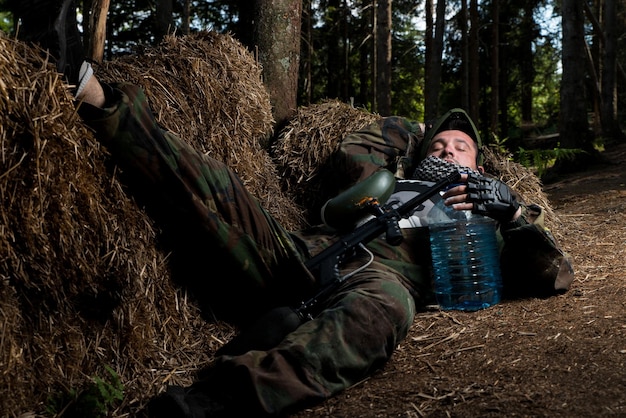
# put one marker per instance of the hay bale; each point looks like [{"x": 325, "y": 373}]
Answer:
[
  {"x": 207, "y": 88},
  {"x": 83, "y": 286},
  {"x": 304, "y": 147}
]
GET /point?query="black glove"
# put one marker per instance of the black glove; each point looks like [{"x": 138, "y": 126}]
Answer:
[{"x": 491, "y": 198}]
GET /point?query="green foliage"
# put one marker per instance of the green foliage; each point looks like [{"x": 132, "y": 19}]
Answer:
[
  {"x": 498, "y": 144},
  {"x": 542, "y": 159},
  {"x": 6, "y": 22},
  {"x": 409, "y": 100},
  {"x": 546, "y": 97},
  {"x": 96, "y": 400}
]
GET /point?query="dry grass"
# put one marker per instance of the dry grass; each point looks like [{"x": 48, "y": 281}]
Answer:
[{"x": 304, "y": 147}]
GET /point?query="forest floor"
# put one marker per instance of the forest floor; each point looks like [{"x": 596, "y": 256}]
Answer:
[{"x": 559, "y": 357}]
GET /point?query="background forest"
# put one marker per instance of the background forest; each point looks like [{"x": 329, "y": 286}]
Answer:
[{"x": 543, "y": 79}]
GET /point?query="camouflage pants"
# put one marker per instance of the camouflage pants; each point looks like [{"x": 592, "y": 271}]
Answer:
[{"x": 214, "y": 224}]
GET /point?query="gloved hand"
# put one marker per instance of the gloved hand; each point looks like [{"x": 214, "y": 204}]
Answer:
[{"x": 491, "y": 198}]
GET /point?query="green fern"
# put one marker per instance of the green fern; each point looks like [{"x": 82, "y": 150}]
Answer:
[
  {"x": 96, "y": 400},
  {"x": 541, "y": 159},
  {"x": 498, "y": 144}
]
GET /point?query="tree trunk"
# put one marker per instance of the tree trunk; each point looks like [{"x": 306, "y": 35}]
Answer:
[
  {"x": 97, "y": 29},
  {"x": 277, "y": 32},
  {"x": 374, "y": 55},
  {"x": 346, "y": 82},
  {"x": 244, "y": 24},
  {"x": 474, "y": 62},
  {"x": 495, "y": 68},
  {"x": 365, "y": 57},
  {"x": 434, "y": 51},
  {"x": 593, "y": 54},
  {"x": 573, "y": 124},
  {"x": 528, "y": 69},
  {"x": 465, "y": 62},
  {"x": 608, "y": 111},
  {"x": 429, "y": 44},
  {"x": 595, "y": 89},
  {"x": 307, "y": 53},
  {"x": 164, "y": 20},
  {"x": 186, "y": 17},
  {"x": 335, "y": 57},
  {"x": 383, "y": 64},
  {"x": 86, "y": 12}
]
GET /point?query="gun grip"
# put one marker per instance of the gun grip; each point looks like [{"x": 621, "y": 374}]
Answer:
[{"x": 394, "y": 233}]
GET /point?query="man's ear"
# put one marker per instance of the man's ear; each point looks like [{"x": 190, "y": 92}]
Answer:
[{"x": 481, "y": 169}]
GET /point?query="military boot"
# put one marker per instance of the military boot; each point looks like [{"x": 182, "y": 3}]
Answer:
[{"x": 52, "y": 25}]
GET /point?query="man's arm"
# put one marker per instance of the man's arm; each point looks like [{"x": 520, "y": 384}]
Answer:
[
  {"x": 532, "y": 262},
  {"x": 387, "y": 143}
]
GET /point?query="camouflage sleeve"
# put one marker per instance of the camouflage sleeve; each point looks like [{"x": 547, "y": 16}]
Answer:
[
  {"x": 387, "y": 143},
  {"x": 533, "y": 264}
]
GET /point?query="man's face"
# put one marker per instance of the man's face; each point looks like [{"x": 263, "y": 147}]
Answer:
[{"x": 456, "y": 147}]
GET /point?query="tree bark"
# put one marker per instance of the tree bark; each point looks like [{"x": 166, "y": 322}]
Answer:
[
  {"x": 593, "y": 54},
  {"x": 495, "y": 68},
  {"x": 474, "y": 62},
  {"x": 164, "y": 20},
  {"x": 307, "y": 52},
  {"x": 608, "y": 111},
  {"x": 528, "y": 69},
  {"x": 465, "y": 62},
  {"x": 383, "y": 64},
  {"x": 277, "y": 32},
  {"x": 374, "y": 55},
  {"x": 434, "y": 51},
  {"x": 335, "y": 57},
  {"x": 97, "y": 31},
  {"x": 243, "y": 31},
  {"x": 573, "y": 124},
  {"x": 596, "y": 94},
  {"x": 365, "y": 57}
]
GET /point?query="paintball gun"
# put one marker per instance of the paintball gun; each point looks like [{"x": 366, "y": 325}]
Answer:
[{"x": 271, "y": 328}]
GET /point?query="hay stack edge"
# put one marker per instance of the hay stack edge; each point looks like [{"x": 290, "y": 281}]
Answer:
[{"x": 87, "y": 301}]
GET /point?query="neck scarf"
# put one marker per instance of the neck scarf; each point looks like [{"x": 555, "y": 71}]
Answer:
[{"x": 434, "y": 169}]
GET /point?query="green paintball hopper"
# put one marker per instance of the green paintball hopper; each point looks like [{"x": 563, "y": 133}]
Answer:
[{"x": 344, "y": 211}]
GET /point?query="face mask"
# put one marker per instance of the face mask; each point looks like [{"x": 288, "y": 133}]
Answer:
[{"x": 434, "y": 169}]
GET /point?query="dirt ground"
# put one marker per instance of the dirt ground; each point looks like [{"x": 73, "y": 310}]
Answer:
[{"x": 560, "y": 357}]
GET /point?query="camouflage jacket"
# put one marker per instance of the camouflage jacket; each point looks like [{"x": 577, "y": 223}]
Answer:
[{"x": 532, "y": 263}]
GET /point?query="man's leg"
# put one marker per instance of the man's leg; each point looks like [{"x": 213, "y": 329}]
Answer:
[
  {"x": 211, "y": 222},
  {"x": 52, "y": 26},
  {"x": 353, "y": 336}
]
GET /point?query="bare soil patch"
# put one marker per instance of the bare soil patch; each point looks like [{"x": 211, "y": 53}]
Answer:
[{"x": 558, "y": 357}]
